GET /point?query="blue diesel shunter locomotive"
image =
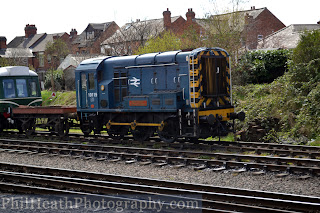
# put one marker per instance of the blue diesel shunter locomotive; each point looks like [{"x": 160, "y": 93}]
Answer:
[{"x": 174, "y": 94}]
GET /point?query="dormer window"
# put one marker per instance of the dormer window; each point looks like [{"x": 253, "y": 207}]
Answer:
[{"x": 90, "y": 35}]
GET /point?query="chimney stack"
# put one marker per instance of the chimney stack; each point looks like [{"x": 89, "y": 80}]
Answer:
[
  {"x": 190, "y": 15},
  {"x": 318, "y": 22},
  {"x": 253, "y": 7},
  {"x": 30, "y": 30},
  {"x": 3, "y": 42},
  {"x": 73, "y": 33},
  {"x": 167, "y": 18}
]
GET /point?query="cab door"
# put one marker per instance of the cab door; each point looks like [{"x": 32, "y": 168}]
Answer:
[
  {"x": 89, "y": 95},
  {"x": 84, "y": 91}
]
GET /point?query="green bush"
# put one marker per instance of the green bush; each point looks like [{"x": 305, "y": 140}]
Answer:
[
  {"x": 261, "y": 66},
  {"x": 308, "y": 48},
  {"x": 58, "y": 77}
]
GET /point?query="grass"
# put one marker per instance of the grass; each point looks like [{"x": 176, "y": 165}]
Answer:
[
  {"x": 67, "y": 98},
  {"x": 229, "y": 137}
]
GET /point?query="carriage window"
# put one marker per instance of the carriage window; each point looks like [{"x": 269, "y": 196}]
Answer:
[
  {"x": 8, "y": 88},
  {"x": 22, "y": 88},
  {"x": 91, "y": 81},
  {"x": 33, "y": 88}
]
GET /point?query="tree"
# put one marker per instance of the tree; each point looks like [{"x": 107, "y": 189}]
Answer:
[
  {"x": 55, "y": 52},
  {"x": 167, "y": 41},
  {"x": 131, "y": 36},
  {"x": 308, "y": 47},
  {"x": 4, "y": 62},
  {"x": 226, "y": 30}
]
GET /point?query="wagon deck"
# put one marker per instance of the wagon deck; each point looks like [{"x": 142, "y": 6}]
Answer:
[{"x": 44, "y": 110}]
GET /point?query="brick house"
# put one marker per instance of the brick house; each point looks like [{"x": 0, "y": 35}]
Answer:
[
  {"x": 88, "y": 42},
  {"x": 16, "y": 56},
  {"x": 254, "y": 24},
  {"x": 130, "y": 36},
  {"x": 37, "y": 44}
]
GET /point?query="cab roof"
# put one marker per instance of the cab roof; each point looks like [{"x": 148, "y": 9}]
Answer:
[{"x": 17, "y": 71}]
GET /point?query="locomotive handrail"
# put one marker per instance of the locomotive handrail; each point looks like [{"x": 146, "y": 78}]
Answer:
[{"x": 152, "y": 65}]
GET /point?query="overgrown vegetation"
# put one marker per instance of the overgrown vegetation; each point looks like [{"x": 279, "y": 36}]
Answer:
[
  {"x": 293, "y": 99},
  {"x": 165, "y": 42},
  {"x": 67, "y": 98},
  {"x": 57, "y": 76},
  {"x": 261, "y": 66}
]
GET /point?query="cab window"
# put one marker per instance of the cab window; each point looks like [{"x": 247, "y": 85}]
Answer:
[
  {"x": 8, "y": 88},
  {"x": 91, "y": 81},
  {"x": 33, "y": 88},
  {"x": 22, "y": 88}
]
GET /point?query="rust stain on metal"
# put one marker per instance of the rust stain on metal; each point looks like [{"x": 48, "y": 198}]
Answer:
[{"x": 138, "y": 103}]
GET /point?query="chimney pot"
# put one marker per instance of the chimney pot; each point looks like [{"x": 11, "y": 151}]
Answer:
[
  {"x": 190, "y": 15},
  {"x": 3, "y": 42},
  {"x": 167, "y": 18},
  {"x": 30, "y": 30}
]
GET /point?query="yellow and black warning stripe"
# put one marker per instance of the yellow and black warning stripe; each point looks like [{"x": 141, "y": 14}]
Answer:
[{"x": 197, "y": 81}]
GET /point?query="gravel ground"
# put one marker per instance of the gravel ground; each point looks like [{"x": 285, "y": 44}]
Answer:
[{"x": 268, "y": 182}]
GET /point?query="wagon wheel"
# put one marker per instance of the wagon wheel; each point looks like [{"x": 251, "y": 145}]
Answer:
[
  {"x": 170, "y": 131},
  {"x": 142, "y": 133},
  {"x": 28, "y": 127},
  {"x": 62, "y": 128}
]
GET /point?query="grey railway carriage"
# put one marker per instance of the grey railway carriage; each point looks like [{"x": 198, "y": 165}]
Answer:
[
  {"x": 174, "y": 94},
  {"x": 18, "y": 86}
]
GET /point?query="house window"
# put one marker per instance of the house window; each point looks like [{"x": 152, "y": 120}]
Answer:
[
  {"x": 90, "y": 35},
  {"x": 41, "y": 59},
  {"x": 260, "y": 37},
  {"x": 49, "y": 59}
]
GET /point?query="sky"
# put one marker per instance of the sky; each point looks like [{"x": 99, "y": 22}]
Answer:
[{"x": 63, "y": 15}]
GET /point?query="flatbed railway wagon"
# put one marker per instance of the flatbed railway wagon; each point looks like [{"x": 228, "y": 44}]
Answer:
[{"x": 174, "y": 94}]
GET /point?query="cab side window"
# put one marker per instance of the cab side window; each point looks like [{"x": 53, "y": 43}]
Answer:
[
  {"x": 91, "y": 81},
  {"x": 33, "y": 88},
  {"x": 8, "y": 88},
  {"x": 22, "y": 88}
]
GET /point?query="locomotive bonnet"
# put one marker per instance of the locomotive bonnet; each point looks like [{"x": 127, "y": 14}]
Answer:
[{"x": 174, "y": 94}]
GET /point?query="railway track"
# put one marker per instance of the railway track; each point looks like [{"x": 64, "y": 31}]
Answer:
[
  {"x": 18, "y": 178},
  {"x": 161, "y": 157},
  {"x": 283, "y": 150}
]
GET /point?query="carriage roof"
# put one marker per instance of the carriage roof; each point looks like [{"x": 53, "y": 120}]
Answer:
[{"x": 16, "y": 71}]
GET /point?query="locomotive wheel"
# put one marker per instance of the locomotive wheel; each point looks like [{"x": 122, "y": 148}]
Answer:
[
  {"x": 29, "y": 127},
  {"x": 170, "y": 131},
  {"x": 62, "y": 128},
  {"x": 142, "y": 133},
  {"x": 86, "y": 129},
  {"x": 117, "y": 133}
]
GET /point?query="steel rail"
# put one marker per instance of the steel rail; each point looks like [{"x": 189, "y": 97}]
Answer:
[
  {"x": 209, "y": 199},
  {"x": 259, "y": 148},
  {"x": 207, "y": 159},
  {"x": 151, "y": 182}
]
